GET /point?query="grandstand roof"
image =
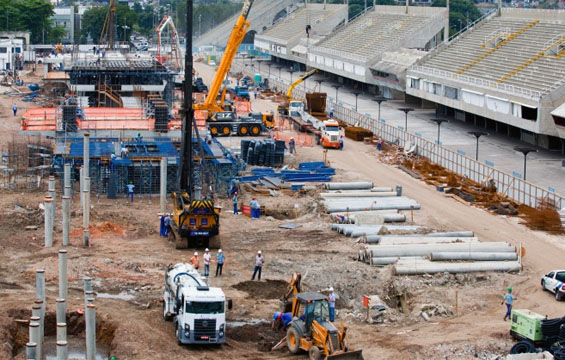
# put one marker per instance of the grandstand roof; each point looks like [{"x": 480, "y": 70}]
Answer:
[{"x": 521, "y": 52}]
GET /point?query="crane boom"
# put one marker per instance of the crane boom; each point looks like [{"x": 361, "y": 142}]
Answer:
[
  {"x": 299, "y": 81},
  {"x": 167, "y": 21},
  {"x": 238, "y": 33}
]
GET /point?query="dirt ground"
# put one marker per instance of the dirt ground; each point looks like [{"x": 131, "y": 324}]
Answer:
[{"x": 127, "y": 259}]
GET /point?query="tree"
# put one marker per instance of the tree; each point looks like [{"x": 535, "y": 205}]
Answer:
[
  {"x": 30, "y": 15},
  {"x": 56, "y": 34},
  {"x": 92, "y": 23},
  {"x": 461, "y": 12}
]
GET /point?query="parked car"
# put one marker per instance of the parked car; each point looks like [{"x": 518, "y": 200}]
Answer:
[{"x": 554, "y": 281}]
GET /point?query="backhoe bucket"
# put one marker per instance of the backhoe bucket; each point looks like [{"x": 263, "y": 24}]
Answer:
[{"x": 350, "y": 355}]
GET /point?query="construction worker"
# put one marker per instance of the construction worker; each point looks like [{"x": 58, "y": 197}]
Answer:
[
  {"x": 15, "y": 109},
  {"x": 341, "y": 142},
  {"x": 292, "y": 145},
  {"x": 167, "y": 224},
  {"x": 281, "y": 320},
  {"x": 162, "y": 226},
  {"x": 255, "y": 93},
  {"x": 259, "y": 261},
  {"x": 331, "y": 303},
  {"x": 194, "y": 260},
  {"x": 130, "y": 187},
  {"x": 235, "y": 204},
  {"x": 139, "y": 138},
  {"x": 207, "y": 258},
  {"x": 508, "y": 299},
  {"x": 220, "y": 258},
  {"x": 379, "y": 144},
  {"x": 331, "y": 112},
  {"x": 255, "y": 208}
]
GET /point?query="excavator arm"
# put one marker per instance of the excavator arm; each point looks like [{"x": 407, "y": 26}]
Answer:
[
  {"x": 235, "y": 39},
  {"x": 299, "y": 81}
]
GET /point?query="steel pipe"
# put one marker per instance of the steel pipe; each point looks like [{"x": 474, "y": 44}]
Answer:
[
  {"x": 403, "y": 240},
  {"x": 62, "y": 351},
  {"x": 476, "y": 256},
  {"x": 87, "y": 284},
  {"x": 86, "y": 213},
  {"x": 61, "y": 311},
  {"x": 53, "y": 195},
  {"x": 86, "y": 155},
  {"x": 48, "y": 223},
  {"x": 63, "y": 274},
  {"x": 454, "y": 268},
  {"x": 66, "y": 220},
  {"x": 34, "y": 335},
  {"x": 366, "y": 194},
  {"x": 348, "y": 185},
  {"x": 90, "y": 317},
  {"x": 427, "y": 249},
  {"x": 163, "y": 185}
]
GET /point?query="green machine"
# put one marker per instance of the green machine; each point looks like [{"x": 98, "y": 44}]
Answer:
[{"x": 526, "y": 325}]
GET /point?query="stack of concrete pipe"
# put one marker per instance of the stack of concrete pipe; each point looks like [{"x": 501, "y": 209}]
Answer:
[
  {"x": 428, "y": 254},
  {"x": 354, "y": 230},
  {"x": 368, "y": 217}
]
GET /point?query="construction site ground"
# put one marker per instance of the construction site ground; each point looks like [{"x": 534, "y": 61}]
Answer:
[{"x": 127, "y": 260}]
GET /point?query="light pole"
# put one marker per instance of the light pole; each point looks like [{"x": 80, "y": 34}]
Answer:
[
  {"x": 319, "y": 85},
  {"x": 406, "y": 111},
  {"x": 199, "y": 25},
  {"x": 525, "y": 150},
  {"x": 439, "y": 121},
  {"x": 356, "y": 93},
  {"x": 291, "y": 71},
  {"x": 379, "y": 99},
  {"x": 336, "y": 87},
  {"x": 478, "y": 134}
]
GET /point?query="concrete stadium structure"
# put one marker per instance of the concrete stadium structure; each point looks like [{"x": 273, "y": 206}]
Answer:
[
  {"x": 506, "y": 74},
  {"x": 263, "y": 14},
  {"x": 373, "y": 49}
]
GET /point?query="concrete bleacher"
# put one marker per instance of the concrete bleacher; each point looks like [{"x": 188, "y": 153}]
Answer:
[{"x": 523, "y": 58}]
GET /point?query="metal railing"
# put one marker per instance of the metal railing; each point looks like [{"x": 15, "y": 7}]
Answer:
[{"x": 508, "y": 185}]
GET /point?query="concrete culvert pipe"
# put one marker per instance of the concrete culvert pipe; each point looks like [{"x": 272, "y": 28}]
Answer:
[
  {"x": 456, "y": 234},
  {"x": 380, "y": 261},
  {"x": 349, "y": 185},
  {"x": 357, "y": 194},
  {"x": 427, "y": 249},
  {"x": 403, "y": 240},
  {"x": 475, "y": 256},
  {"x": 419, "y": 268}
]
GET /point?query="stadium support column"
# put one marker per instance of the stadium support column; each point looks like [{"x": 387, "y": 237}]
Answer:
[
  {"x": 407, "y": 4},
  {"x": 446, "y": 28},
  {"x": 499, "y": 7}
]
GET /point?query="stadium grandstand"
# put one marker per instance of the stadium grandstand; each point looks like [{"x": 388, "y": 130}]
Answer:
[
  {"x": 264, "y": 13},
  {"x": 375, "y": 48},
  {"x": 288, "y": 39},
  {"x": 507, "y": 74}
]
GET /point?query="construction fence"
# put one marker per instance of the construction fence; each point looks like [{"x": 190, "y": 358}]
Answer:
[{"x": 509, "y": 185}]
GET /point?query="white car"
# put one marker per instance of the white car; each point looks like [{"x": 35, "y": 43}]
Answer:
[{"x": 554, "y": 281}]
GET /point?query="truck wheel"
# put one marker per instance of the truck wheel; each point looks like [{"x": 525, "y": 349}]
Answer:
[
  {"x": 255, "y": 130},
  {"x": 293, "y": 340},
  {"x": 179, "y": 334},
  {"x": 242, "y": 130},
  {"x": 226, "y": 130},
  {"x": 557, "y": 296},
  {"x": 214, "y": 130},
  {"x": 314, "y": 353}
]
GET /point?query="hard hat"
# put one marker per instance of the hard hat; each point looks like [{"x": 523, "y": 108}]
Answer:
[
  {"x": 331, "y": 289},
  {"x": 292, "y": 138},
  {"x": 259, "y": 252},
  {"x": 196, "y": 253},
  {"x": 509, "y": 289},
  {"x": 207, "y": 250},
  {"x": 220, "y": 250}
]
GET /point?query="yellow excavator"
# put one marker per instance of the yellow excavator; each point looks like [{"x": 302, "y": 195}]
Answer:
[
  {"x": 312, "y": 332},
  {"x": 292, "y": 289},
  {"x": 283, "y": 109}
]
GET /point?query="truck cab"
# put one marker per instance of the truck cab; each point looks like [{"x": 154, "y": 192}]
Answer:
[
  {"x": 330, "y": 134},
  {"x": 198, "y": 311},
  {"x": 295, "y": 108},
  {"x": 267, "y": 119}
]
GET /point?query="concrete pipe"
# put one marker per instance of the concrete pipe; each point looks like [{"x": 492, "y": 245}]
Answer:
[
  {"x": 48, "y": 223},
  {"x": 382, "y": 189},
  {"x": 31, "y": 351},
  {"x": 87, "y": 284},
  {"x": 62, "y": 351},
  {"x": 349, "y": 194},
  {"x": 34, "y": 336},
  {"x": 427, "y": 249},
  {"x": 403, "y": 240},
  {"x": 66, "y": 220},
  {"x": 163, "y": 185},
  {"x": 454, "y": 268},
  {"x": 81, "y": 188},
  {"x": 90, "y": 317},
  {"x": 348, "y": 185},
  {"x": 86, "y": 155},
  {"x": 344, "y": 207},
  {"x": 61, "y": 332},
  {"x": 53, "y": 195},
  {"x": 61, "y": 311},
  {"x": 362, "y": 219},
  {"x": 67, "y": 180},
  {"x": 457, "y": 234},
  {"x": 63, "y": 274},
  {"x": 379, "y": 229},
  {"x": 89, "y": 294},
  {"x": 476, "y": 256},
  {"x": 380, "y": 261}
]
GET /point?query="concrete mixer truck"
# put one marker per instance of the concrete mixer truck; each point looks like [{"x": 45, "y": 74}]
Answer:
[{"x": 198, "y": 311}]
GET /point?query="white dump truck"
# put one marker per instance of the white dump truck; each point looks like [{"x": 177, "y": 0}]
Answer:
[{"x": 198, "y": 311}]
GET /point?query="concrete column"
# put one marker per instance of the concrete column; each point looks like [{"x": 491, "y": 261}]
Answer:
[
  {"x": 61, "y": 311},
  {"x": 31, "y": 349},
  {"x": 48, "y": 223},
  {"x": 446, "y": 29},
  {"x": 81, "y": 176},
  {"x": 67, "y": 180},
  {"x": 90, "y": 317},
  {"x": 86, "y": 155},
  {"x": 62, "y": 274},
  {"x": 87, "y": 282},
  {"x": 163, "y": 185},
  {"x": 88, "y": 297},
  {"x": 499, "y": 7},
  {"x": 66, "y": 218},
  {"x": 34, "y": 333},
  {"x": 40, "y": 284},
  {"x": 62, "y": 351},
  {"x": 86, "y": 213},
  {"x": 40, "y": 300},
  {"x": 61, "y": 331},
  {"x": 51, "y": 190}
]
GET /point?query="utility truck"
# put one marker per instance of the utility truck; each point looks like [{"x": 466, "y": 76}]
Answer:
[{"x": 198, "y": 311}]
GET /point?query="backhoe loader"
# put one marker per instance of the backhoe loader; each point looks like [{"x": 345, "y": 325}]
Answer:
[{"x": 311, "y": 331}]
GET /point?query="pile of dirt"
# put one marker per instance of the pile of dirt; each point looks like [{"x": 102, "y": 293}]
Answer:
[
  {"x": 105, "y": 228},
  {"x": 263, "y": 334},
  {"x": 269, "y": 289}
]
